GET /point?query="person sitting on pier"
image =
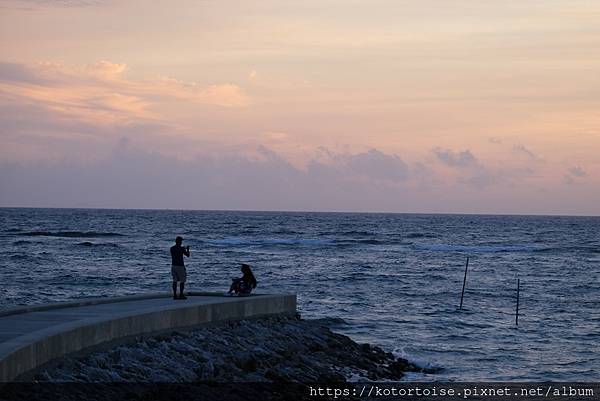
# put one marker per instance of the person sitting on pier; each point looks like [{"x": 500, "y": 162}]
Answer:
[{"x": 245, "y": 284}]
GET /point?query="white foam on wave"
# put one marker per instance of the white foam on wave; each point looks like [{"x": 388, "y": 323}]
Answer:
[
  {"x": 400, "y": 352},
  {"x": 269, "y": 242},
  {"x": 479, "y": 248}
]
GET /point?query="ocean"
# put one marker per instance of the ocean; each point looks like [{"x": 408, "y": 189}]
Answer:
[{"x": 393, "y": 280}]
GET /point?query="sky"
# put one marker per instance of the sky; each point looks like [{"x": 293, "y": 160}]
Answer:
[{"x": 430, "y": 106}]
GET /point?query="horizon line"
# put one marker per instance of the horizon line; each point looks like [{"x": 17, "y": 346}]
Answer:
[{"x": 301, "y": 211}]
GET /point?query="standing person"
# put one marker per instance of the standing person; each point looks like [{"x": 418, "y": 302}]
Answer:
[
  {"x": 178, "y": 267},
  {"x": 245, "y": 284}
]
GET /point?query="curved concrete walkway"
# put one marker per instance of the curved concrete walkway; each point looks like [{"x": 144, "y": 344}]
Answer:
[{"x": 32, "y": 336}]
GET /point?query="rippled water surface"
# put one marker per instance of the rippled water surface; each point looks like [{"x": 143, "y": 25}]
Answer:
[{"x": 395, "y": 279}]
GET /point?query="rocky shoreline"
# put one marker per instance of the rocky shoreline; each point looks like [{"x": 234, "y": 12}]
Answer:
[{"x": 268, "y": 350}]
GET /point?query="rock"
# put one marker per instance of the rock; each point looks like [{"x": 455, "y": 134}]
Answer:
[
  {"x": 250, "y": 364},
  {"x": 398, "y": 367},
  {"x": 275, "y": 350}
]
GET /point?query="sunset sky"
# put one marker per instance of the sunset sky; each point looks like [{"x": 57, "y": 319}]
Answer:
[{"x": 330, "y": 105}]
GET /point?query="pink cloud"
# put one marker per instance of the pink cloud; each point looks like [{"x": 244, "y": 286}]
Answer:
[
  {"x": 101, "y": 94},
  {"x": 225, "y": 95}
]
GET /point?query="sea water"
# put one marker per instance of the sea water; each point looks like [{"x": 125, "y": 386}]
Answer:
[{"x": 394, "y": 279}]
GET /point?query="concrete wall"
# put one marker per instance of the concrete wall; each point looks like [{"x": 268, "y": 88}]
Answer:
[{"x": 32, "y": 350}]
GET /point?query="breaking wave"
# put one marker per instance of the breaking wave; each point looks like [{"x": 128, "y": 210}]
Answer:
[
  {"x": 70, "y": 234},
  {"x": 479, "y": 248}
]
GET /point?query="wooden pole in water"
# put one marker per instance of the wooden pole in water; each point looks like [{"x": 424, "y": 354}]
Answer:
[
  {"x": 462, "y": 295},
  {"x": 518, "y": 290}
]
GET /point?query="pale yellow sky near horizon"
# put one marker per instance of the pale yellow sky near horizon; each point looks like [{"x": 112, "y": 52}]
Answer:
[{"x": 503, "y": 94}]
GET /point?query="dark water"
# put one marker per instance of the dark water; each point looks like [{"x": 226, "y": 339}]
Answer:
[{"x": 395, "y": 279}]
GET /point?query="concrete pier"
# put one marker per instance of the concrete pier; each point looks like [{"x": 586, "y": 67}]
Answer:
[{"x": 33, "y": 336}]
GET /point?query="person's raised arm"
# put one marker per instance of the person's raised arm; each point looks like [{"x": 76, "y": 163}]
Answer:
[{"x": 186, "y": 251}]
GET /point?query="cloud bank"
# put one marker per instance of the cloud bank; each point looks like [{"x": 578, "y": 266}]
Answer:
[{"x": 364, "y": 181}]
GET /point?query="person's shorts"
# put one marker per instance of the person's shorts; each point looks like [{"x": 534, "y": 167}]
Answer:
[{"x": 179, "y": 273}]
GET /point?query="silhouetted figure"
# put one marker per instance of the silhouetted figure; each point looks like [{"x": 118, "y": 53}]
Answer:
[
  {"x": 178, "y": 270},
  {"x": 245, "y": 284}
]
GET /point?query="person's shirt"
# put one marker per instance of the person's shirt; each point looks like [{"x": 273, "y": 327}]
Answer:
[
  {"x": 249, "y": 280},
  {"x": 177, "y": 252}
]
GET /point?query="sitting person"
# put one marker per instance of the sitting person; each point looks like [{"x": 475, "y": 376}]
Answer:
[{"x": 245, "y": 284}]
